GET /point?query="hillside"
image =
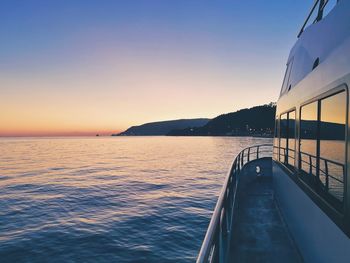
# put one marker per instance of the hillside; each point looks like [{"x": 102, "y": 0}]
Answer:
[
  {"x": 256, "y": 121},
  {"x": 162, "y": 127}
]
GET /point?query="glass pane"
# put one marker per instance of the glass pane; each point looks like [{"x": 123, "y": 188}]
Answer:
[
  {"x": 332, "y": 144},
  {"x": 291, "y": 138},
  {"x": 283, "y": 137},
  {"x": 286, "y": 81},
  {"x": 308, "y": 140}
]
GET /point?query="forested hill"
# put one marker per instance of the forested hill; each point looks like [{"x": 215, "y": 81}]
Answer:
[
  {"x": 256, "y": 121},
  {"x": 162, "y": 127}
]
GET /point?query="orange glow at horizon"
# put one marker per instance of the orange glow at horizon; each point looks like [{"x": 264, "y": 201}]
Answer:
[
  {"x": 103, "y": 79},
  {"x": 88, "y": 67},
  {"x": 88, "y": 100}
]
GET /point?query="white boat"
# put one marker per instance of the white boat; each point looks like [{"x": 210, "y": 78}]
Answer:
[{"x": 290, "y": 202}]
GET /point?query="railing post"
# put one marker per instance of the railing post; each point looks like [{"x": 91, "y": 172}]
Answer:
[
  {"x": 217, "y": 246},
  {"x": 248, "y": 157},
  {"x": 285, "y": 155},
  {"x": 327, "y": 177},
  {"x": 238, "y": 162},
  {"x": 228, "y": 210},
  {"x": 223, "y": 236},
  {"x": 310, "y": 164},
  {"x": 242, "y": 159},
  {"x": 257, "y": 152}
]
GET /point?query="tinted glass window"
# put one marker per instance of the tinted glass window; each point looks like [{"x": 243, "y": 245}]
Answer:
[
  {"x": 322, "y": 147},
  {"x": 291, "y": 138},
  {"x": 308, "y": 139},
  {"x": 286, "y": 79},
  {"x": 332, "y": 144},
  {"x": 287, "y": 139},
  {"x": 283, "y": 137}
]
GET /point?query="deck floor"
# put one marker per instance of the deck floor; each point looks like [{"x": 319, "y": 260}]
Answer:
[{"x": 260, "y": 234}]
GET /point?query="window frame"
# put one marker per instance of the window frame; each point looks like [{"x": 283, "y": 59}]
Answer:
[
  {"x": 317, "y": 101},
  {"x": 295, "y": 137},
  {"x": 286, "y": 79},
  {"x": 340, "y": 219},
  {"x": 277, "y": 138}
]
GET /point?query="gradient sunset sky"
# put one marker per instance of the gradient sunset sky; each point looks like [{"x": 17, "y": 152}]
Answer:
[{"x": 70, "y": 67}]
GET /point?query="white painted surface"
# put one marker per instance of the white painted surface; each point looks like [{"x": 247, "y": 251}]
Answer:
[
  {"x": 317, "y": 237},
  {"x": 328, "y": 40}
]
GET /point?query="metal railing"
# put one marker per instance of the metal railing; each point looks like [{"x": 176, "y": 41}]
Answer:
[
  {"x": 321, "y": 5},
  {"x": 286, "y": 155},
  {"x": 322, "y": 169},
  {"x": 326, "y": 163},
  {"x": 329, "y": 175},
  {"x": 216, "y": 244}
]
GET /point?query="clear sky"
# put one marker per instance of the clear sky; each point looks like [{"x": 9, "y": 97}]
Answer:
[{"x": 70, "y": 67}]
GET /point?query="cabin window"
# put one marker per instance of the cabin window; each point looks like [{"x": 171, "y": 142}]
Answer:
[
  {"x": 308, "y": 139},
  {"x": 291, "y": 138},
  {"x": 322, "y": 147},
  {"x": 287, "y": 138},
  {"x": 332, "y": 144},
  {"x": 286, "y": 80},
  {"x": 283, "y": 137}
]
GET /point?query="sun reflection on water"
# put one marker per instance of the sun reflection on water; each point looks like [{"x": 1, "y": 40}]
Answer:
[{"x": 112, "y": 199}]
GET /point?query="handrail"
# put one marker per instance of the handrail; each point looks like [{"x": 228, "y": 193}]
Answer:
[
  {"x": 321, "y": 7},
  {"x": 309, "y": 162},
  {"x": 325, "y": 172},
  {"x": 215, "y": 247},
  {"x": 308, "y": 17}
]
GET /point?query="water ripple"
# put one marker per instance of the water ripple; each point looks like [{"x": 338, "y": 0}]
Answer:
[{"x": 142, "y": 199}]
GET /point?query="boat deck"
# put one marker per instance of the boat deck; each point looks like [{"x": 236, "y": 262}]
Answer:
[{"x": 260, "y": 234}]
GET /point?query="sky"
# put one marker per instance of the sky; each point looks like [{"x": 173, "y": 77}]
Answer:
[{"x": 82, "y": 67}]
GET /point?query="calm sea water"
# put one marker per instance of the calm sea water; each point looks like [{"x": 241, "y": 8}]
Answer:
[{"x": 118, "y": 199}]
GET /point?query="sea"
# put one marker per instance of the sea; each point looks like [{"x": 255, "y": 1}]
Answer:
[{"x": 110, "y": 199}]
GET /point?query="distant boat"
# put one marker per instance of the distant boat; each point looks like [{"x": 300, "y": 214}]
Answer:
[
  {"x": 97, "y": 135},
  {"x": 290, "y": 202}
]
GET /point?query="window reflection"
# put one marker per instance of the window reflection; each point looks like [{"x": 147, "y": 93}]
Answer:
[
  {"x": 283, "y": 137},
  {"x": 322, "y": 147},
  {"x": 308, "y": 138},
  {"x": 291, "y": 138},
  {"x": 286, "y": 80},
  {"x": 287, "y": 138},
  {"x": 332, "y": 144}
]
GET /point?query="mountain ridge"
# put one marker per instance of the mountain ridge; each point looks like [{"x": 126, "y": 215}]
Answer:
[
  {"x": 162, "y": 127},
  {"x": 255, "y": 121}
]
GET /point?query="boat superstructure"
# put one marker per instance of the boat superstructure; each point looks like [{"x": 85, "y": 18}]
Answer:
[{"x": 292, "y": 202}]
